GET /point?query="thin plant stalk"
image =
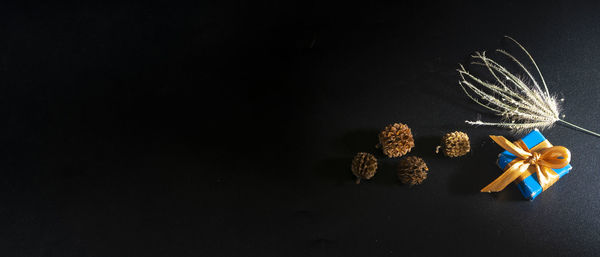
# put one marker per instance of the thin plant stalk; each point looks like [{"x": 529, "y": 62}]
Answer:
[{"x": 580, "y": 128}]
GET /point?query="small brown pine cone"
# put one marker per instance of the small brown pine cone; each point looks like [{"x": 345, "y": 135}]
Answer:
[
  {"x": 364, "y": 166},
  {"x": 396, "y": 140},
  {"x": 412, "y": 170},
  {"x": 456, "y": 144}
]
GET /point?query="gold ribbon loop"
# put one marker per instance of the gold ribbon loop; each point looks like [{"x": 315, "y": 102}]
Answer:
[{"x": 541, "y": 159}]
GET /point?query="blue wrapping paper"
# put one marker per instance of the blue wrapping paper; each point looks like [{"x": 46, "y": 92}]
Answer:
[{"x": 530, "y": 188}]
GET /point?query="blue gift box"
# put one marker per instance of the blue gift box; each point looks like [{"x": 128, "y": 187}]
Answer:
[{"x": 530, "y": 188}]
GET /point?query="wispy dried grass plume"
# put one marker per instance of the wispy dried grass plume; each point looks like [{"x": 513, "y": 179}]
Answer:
[{"x": 519, "y": 100}]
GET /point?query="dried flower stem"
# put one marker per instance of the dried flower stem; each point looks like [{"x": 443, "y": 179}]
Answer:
[
  {"x": 521, "y": 105},
  {"x": 580, "y": 128}
]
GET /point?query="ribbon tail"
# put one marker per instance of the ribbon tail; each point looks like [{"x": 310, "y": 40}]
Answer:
[
  {"x": 546, "y": 177},
  {"x": 507, "y": 177}
]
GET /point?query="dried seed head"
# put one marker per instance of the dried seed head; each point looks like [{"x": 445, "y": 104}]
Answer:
[
  {"x": 455, "y": 144},
  {"x": 519, "y": 100},
  {"x": 396, "y": 140},
  {"x": 364, "y": 166},
  {"x": 412, "y": 170}
]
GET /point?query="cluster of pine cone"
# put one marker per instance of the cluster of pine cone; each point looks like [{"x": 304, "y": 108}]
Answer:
[
  {"x": 396, "y": 140},
  {"x": 455, "y": 144}
]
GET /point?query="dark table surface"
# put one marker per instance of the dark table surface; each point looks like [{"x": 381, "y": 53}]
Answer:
[{"x": 227, "y": 129}]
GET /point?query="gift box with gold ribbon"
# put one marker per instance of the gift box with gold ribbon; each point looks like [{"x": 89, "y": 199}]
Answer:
[{"x": 531, "y": 162}]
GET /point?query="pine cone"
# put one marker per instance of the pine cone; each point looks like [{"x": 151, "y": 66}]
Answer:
[
  {"x": 456, "y": 144},
  {"x": 412, "y": 170},
  {"x": 364, "y": 166},
  {"x": 396, "y": 140}
]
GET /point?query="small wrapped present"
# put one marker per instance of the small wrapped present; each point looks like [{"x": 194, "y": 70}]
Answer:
[{"x": 531, "y": 162}]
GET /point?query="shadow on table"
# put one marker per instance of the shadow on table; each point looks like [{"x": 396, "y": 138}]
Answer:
[
  {"x": 337, "y": 170},
  {"x": 425, "y": 147},
  {"x": 361, "y": 140},
  {"x": 478, "y": 170}
]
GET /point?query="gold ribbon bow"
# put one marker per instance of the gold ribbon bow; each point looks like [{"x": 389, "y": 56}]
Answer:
[{"x": 541, "y": 159}]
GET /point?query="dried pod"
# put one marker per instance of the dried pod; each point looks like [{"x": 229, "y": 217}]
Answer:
[
  {"x": 364, "y": 166},
  {"x": 412, "y": 170},
  {"x": 396, "y": 140},
  {"x": 455, "y": 144}
]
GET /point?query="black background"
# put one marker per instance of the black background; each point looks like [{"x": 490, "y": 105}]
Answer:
[{"x": 217, "y": 128}]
